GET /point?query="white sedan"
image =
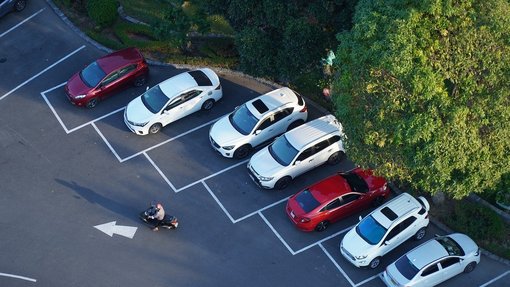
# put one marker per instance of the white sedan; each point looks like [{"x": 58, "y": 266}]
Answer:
[
  {"x": 433, "y": 262},
  {"x": 172, "y": 100}
]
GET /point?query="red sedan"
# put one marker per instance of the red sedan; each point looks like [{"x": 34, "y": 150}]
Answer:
[
  {"x": 106, "y": 75},
  {"x": 336, "y": 197}
]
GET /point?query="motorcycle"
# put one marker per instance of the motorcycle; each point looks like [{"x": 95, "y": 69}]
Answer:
[{"x": 168, "y": 222}]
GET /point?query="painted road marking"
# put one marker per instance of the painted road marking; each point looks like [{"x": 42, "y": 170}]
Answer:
[
  {"x": 41, "y": 72},
  {"x": 20, "y": 23},
  {"x": 18, "y": 277},
  {"x": 111, "y": 228},
  {"x": 336, "y": 265},
  {"x": 495, "y": 279}
]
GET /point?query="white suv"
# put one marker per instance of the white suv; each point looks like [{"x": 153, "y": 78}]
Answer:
[
  {"x": 298, "y": 151},
  {"x": 258, "y": 121},
  {"x": 384, "y": 229}
]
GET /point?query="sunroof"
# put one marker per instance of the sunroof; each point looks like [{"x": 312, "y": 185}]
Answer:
[
  {"x": 200, "y": 78},
  {"x": 389, "y": 213},
  {"x": 260, "y": 106}
]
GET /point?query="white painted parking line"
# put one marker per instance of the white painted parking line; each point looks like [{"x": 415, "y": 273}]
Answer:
[
  {"x": 369, "y": 279},
  {"x": 41, "y": 72},
  {"x": 106, "y": 141},
  {"x": 160, "y": 172},
  {"x": 218, "y": 202},
  {"x": 20, "y": 23},
  {"x": 18, "y": 277},
  {"x": 496, "y": 279},
  {"x": 277, "y": 234},
  {"x": 262, "y": 209},
  {"x": 337, "y": 266}
]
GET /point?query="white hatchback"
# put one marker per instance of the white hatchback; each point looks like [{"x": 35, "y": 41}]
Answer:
[
  {"x": 384, "y": 229},
  {"x": 298, "y": 151},
  {"x": 433, "y": 262},
  {"x": 258, "y": 121},
  {"x": 173, "y": 99}
]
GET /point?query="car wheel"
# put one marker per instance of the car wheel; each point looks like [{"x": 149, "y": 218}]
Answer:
[
  {"x": 242, "y": 151},
  {"x": 155, "y": 128},
  {"x": 375, "y": 263},
  {"x": 470, "y": 267},
  {"x": 378, "y": 201},
  {"x": 207, "y": 105},
  {"x": 91, "y": 103},
  {"x": 295, "y": 124},
  {"x": 420, "y": 234},
  {"x": 283, "y": 182},
  {"x": 140, "y": 81},
  {"x": 336, "y": 157},
  {"x": 20, "y": 5},
  {"x": 323, "y": 225}
]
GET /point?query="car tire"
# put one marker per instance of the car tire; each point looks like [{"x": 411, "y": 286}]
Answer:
[
  {"x": 20, "y": 5},
  {"x": 336, "y": 157},
  {"x": 420, "y": 234},
  {"x": 378, "y": 201},
  {"x": 92, "y": 103},
  {"x": 323, "y": 225},
  {"x": 207, "y": 105},
  {"x": 470, "y": 267},
  {"x": 375, "y": 263},
  {"x": 283, "y": 182},
  {"x": 242, "y": 151},
  {"x": 155, "y": 128},
  {"x": 295, "y": 124},
  {"x": 140, "y": 81}
]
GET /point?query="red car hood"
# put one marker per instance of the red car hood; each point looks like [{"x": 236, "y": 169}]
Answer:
[{"x": 75, "y": 86}]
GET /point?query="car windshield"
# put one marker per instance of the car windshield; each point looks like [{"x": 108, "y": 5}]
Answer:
[
  {"x": 282, "y": 151},
  {"x": 243, "y": 120},
  {"x": 356, "y": 182},
  {"x": 92, "y": 75},
  {"x": 154, "y": 99},
  {"x": 451, "y": 246},
  {"x": 406, "y": 267},
  {"x": 306, "y": 200},
  {"x": 370, "y": 230}
]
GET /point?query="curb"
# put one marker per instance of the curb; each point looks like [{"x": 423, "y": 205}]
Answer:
[{"x": 448, "y": 230}]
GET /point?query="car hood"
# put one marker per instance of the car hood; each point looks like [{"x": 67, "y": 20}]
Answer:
[
  {"x": 466, "y": 243},
  {"x": 264, "y": 164},
  {"x": 223, "y": 133},
  {"x": 137, "y": 112},
  {"x": 356, "y": 245},
  {"x": 75, "y": 86}
]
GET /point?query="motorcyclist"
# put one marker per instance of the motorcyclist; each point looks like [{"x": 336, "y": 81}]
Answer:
[{"x": 159, "y": 216}]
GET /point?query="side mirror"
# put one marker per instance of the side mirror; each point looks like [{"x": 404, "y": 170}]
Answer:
[
  {"x": 360, "y": 218},
  {"x": 386, "y": 242},
  {"x": 257, "y": 132},
  {"x": 146, "y": 89},
  {"x": 297, "y": 162}
]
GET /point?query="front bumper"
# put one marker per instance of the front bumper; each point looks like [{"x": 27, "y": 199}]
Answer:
[
  {"x": 254, "y": 176},
  {"x": 220, "y": 150},
  {"x": 135, "y": 129},
  {"x": 358, "y": 263}
]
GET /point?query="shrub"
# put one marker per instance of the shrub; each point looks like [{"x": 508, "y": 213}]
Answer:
[{"x": 102, "y": 12}]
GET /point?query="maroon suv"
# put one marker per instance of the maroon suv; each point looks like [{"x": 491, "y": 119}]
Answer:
[{"x": 106, "y": 75}]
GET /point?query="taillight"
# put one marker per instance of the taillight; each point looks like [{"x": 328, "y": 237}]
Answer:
[
  {"x": 304, "y": 220},
  {"x": 304, "y": 109}
]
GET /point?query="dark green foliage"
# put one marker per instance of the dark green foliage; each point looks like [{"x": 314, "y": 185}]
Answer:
[
  {"x": 423, "y": 90},
  {"x": 175, "y": 26},
  {"x": 478, "y": 221},
  {"x": 102, "y": 12}
]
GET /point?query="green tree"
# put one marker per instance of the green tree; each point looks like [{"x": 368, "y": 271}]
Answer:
[{"x": 423, "y": 91}]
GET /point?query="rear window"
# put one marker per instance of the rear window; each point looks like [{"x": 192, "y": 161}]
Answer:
[
  {"x": 201, "y": 78},
  {"x": 306, "y": 200},
  {"x": 300, "y": 98},
  {"x": 406, "y": 267}
]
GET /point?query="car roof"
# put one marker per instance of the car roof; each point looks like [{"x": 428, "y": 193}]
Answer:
[
  {"x": 395, "y": 209},
  {"x": 426, "y": 253},
  {"x": 308, "y": 132},
  {"x": 179, "y": 83},
  {"x": 121, "y": 58},
  {"x": 270, "y": 101}
]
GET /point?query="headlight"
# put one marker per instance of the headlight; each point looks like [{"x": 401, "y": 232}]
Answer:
[
  {"x": 140, "y": 124},
  {"x": 80, "y": 96},
  {"x": 229, "y": 147},
  {"x": 361, "y": 257},
  {"x": 264, "y": 178}
]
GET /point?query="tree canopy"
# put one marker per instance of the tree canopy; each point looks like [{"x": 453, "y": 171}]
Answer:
[{"x": 423, "y": 91}]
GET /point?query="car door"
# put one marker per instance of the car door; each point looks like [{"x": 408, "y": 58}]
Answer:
[
  {"x": 264, "y": 131},
  {"x": 191, "y": 102},
  {"x": 450, "y": 267},
  {"x": 108, "y": 85},
  {"x": 171, "y": 112},
  {"x": 397, "y": 235},
  {"x": 430, "y": 276},
  {"x": 304, "y": 162},
  {"x": 331, "y": 211},
  {"x": 321, "y": 152},
  {"x": 349, "y": 204}
]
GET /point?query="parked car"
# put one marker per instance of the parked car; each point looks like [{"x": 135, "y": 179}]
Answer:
[
  {"x": 257, "y": 122},
  {"x": 336, "y": 197},
  {"x": 7, "y": 6},
  {"x": 106, "y": 75},
  {"x": 296, "y": 152},
  {"x": 433, "y": 262},
  {"x": 384, "y": 229},
  {"x": 173, "y": 99}
]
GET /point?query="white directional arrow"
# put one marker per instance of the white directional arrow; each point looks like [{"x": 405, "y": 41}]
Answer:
[{"x": 110, "y": 228}]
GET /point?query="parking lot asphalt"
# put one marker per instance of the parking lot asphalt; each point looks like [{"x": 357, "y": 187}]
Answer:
[{"x": 65, "y": 170}]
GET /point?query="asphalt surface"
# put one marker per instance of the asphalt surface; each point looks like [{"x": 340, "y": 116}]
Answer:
[{"x": 64, "y": 170}]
